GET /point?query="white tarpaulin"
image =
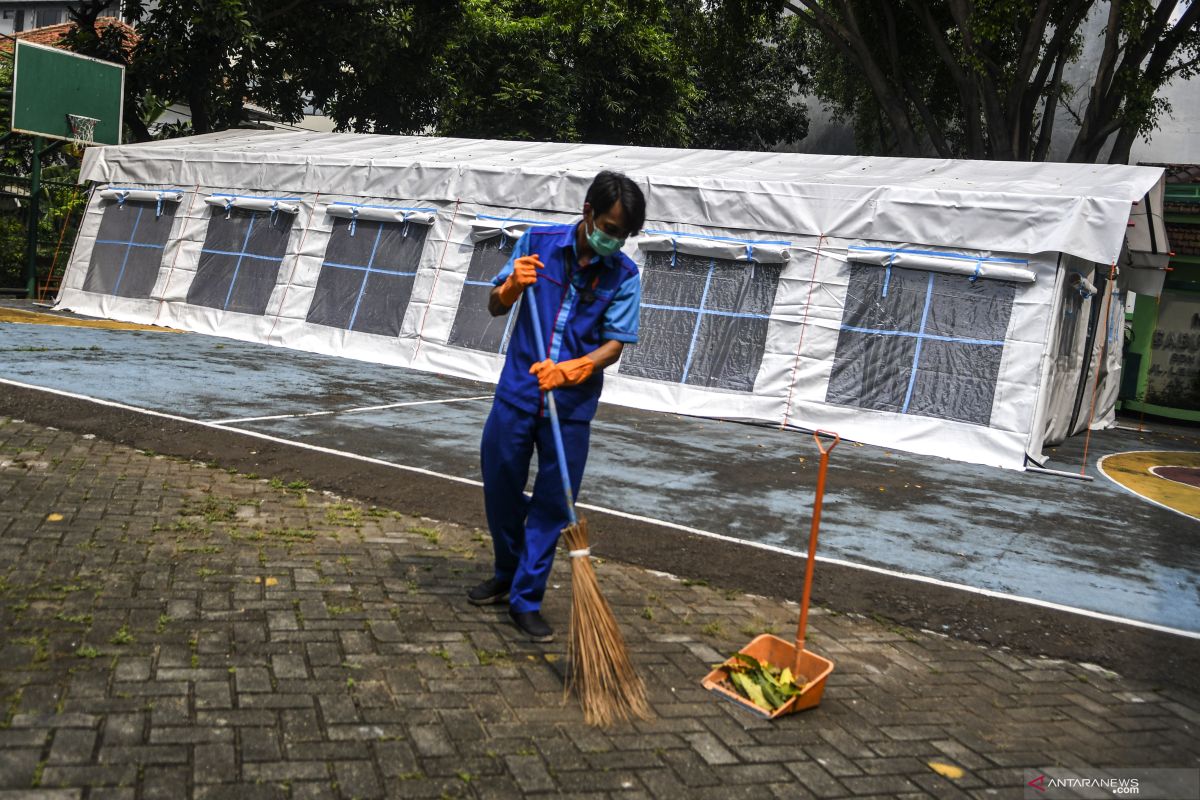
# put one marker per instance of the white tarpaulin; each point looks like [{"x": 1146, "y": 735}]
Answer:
[{"x": 909, "y": 303}]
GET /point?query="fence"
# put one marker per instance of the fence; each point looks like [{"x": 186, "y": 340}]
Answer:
[{"x": 60, "y": 207}]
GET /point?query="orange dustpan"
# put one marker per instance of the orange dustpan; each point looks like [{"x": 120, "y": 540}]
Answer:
[{"x": 780, "y": 652}]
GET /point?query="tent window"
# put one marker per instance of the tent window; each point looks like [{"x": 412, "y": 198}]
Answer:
[
  {"x": 474, "y": 326},
  {"x": 367, "y": 276},
  {"x": 129, "y": 248},
  {"x": 924, "y": 343},
  {"x": 703, "y": 321},
  {"x": 240, "y": 260}
]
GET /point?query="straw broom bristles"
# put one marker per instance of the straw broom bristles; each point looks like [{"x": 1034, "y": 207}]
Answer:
[{"x": 602, "y": 675}]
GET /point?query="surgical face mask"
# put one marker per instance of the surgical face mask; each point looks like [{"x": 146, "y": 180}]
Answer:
[{"x": 601, "y": 243}]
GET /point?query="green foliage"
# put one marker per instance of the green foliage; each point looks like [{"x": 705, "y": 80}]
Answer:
[
  {"x": 987, "y": 79},
  {"x": 694, "y": 73},
  {"x": 658, "y": 72},
  {"x": 372, "y": 65},
  {"x": 750, "y": 69}
]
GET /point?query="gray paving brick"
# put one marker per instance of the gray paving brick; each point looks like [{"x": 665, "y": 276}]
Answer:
[
  {"x": 17, "y": 768},
  {"x": 361, "y": 671},
  {"x": 530, "y": 773},
  {"x": 72, "y": 746}
]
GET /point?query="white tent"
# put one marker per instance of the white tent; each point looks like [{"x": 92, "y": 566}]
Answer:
[{"x": 942, "y": 307}]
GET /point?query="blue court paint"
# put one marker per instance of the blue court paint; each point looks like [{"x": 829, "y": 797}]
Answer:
[{"x": 1084, "y": 545}]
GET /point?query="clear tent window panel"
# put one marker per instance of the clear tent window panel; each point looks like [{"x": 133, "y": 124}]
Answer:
[
  {"x": 703, "y": 321},
  {"x": 474, "y": 326},
  {"x": 367, "y": 276},
  {"x": 128, "y": 250},
  {"x": 239, "y": 263},
  {"x": 924, "y": 343}
]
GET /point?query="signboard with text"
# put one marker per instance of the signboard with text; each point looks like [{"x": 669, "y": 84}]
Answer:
[{"x": 1174, "y": 376}]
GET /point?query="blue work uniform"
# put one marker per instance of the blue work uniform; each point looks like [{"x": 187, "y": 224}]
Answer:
[{"x": 580, "y": 308}]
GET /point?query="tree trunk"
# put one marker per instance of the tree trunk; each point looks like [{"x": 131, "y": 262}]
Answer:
[{"x": 198, "y": 105}]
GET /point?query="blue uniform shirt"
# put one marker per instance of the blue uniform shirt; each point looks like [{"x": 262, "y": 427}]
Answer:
[{"x": 580, "y": 309}]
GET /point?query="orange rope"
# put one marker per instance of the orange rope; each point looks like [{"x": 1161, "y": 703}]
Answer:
[
  {"x": 803, "y": 326},
  {"x": 162, "y": 301},
  {"x": 295, "y": 263},
  {"x": 437, "y": 273},
  {"x": 1157, "y": 301},
  {"x": 1108, "y": 293},
  {"x": 58, "y": 248}
]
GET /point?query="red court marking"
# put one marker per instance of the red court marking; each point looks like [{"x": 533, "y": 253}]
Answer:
[{"x": 1188, "y": 476}]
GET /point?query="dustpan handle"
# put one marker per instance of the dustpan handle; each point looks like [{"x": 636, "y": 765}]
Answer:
[
  {"x": 554, "y": 426},
  {"x": 801, "y": 629}
]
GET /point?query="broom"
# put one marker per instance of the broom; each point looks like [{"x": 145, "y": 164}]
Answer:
[{"x": 608, "y": 686}]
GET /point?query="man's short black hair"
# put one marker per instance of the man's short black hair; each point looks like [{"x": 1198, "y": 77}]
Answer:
[{"x": 608, "y": 187}]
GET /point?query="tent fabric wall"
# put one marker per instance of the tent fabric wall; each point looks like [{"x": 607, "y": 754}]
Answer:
[{"x": 762, "y": 300}]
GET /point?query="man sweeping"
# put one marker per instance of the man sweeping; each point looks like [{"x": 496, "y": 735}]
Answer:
[{"x": 588, "y": 295}]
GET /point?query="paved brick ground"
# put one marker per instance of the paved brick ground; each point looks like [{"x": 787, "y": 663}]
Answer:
[{"x": 172, "y": 629}]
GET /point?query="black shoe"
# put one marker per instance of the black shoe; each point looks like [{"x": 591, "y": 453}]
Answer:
[
  {"x": 489, "y": 592},
  {"x": 532, "y": 624}
]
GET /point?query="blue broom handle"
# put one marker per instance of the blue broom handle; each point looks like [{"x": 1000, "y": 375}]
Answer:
[{"x": 558, "y": 443}]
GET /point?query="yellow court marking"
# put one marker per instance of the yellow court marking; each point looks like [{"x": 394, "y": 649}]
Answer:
[
  {"x": 1132, "y": 470},
  {"x": 34, "y": 318}
]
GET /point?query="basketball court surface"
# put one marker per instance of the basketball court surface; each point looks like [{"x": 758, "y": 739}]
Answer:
[{"x": 1117, "y": 550}]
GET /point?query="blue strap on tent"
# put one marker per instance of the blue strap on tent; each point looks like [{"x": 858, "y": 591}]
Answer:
[
  {"x": 353, "y": 220},
  {"x": 749, "y": 252},
  {"x": 274, "y": 211},
  {"x": 121, "y": 199},
  {"x": 158, "y": 206},
  {"x": 404, "y": 232},
  {"x": 978, "y": 268},
  {"x": 228, "y": 207},
  {"x": 887, "y": 274},
  {"x": 674, "y": 252}
]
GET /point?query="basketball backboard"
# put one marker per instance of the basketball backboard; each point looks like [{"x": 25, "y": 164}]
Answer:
[{"x": 50, "y": 84}]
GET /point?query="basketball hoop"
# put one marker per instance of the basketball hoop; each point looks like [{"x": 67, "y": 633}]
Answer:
[{"x": 83, "y": 129}]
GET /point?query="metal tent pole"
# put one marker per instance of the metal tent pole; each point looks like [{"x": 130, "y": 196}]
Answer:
[{"x": 35, "y": 187}]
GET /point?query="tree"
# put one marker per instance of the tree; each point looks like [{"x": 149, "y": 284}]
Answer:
[
  {"x": 113, "y": 43},
  {"x": 370, "y": 64},
  {"x": 750, "y": 73},
  {"x": 985, "y": 79},
  {"x": 593, "y": 71},
  {"x": 678, "y": 73}
]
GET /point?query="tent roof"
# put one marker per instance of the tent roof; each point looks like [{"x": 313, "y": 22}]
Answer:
[{"x": 1006, "y": 206}]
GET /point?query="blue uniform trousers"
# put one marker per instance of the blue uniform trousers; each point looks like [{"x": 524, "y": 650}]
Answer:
[{"x": 525, "y": 531}]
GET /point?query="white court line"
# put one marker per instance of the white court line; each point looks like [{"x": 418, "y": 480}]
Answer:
[
  {"x": 350, "y": 410},
  {"x": 625, "y": 515}
]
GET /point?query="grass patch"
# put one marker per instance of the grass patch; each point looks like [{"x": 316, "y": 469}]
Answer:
[
  {"x": 122, "y": 636},
  {"x": 489, "y": 657},
  {"x": 431, "y": 535},
  {"x": 40, "y": 645},
  {"x": 344, "y": 514},
  {"x": 212, "y": 509},
  {"x": 291, "y": 534},
  {"x": 207, "y": 549},
  {"x": 756, "y": 627}
]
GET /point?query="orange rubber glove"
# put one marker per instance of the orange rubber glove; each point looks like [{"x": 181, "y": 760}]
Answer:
[
  {"x": 565, "y": 373},
  {"x": 524, "y": 275}
]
